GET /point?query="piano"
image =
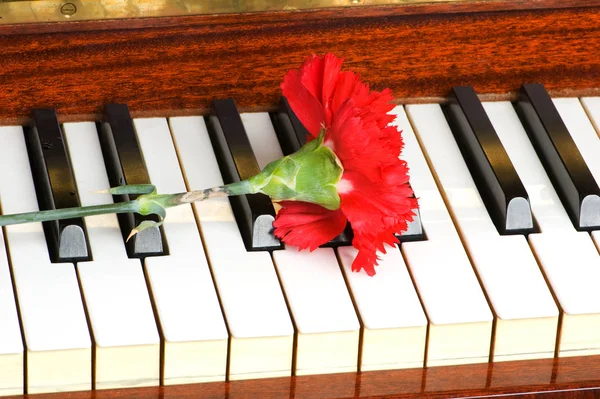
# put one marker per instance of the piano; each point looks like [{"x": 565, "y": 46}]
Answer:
[{"x": 465, "y": 311}]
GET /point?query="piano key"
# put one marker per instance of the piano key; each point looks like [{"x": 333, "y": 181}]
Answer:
[
  {"x": 455, "y": 310},
  {"x": 194, "y": 334},
  {"x": 526, "y": 316},
  {"x": 55, "y": 330},
  {"x": 321, "y": 306},
  {"x": 496, "y": 179},
  {"x": 583, "y": 127},
  {"x": 562, "y": 159},
  {"x": 558, "y": 243},
  {"x": 55, "y": 187},
  {"x": 125, "y": 335},
  {"x": 290, "y": 131},
  {"x": 125, "y": 165},
  {"x": 11, "y": 343},
  {"x": 261, "y": 332},
  {"x": 414, "y": 230},
  {"x": 394, "y": 326},
  {"x": 592, "y": 109},
  {"x": 254, "y": 212}
]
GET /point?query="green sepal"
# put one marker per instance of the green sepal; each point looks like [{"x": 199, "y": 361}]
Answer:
[
  {"x": 309, "y": 175},
  {"x": 153, "y": 204},
  {"x": 143, "y": 226},
  {"x": 148, "y": 205}
]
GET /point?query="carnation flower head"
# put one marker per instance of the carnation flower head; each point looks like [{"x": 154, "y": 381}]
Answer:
[{"x": 353, "y": 122}]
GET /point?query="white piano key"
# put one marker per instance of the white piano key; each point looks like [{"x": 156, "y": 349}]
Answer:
[
  {"x": 527, "y": 316},
  {"x": 261, "y": 342},
  {"x": 582, "y": 131},
  {"x": 394, "y": 326},
  {"x": 592, "y": 108},
  {"x": 53, "y": 318},
  {"x": 550, "y": 215},
  {"x": 569, "y": 258},
  {"x": 11, "y": 343},
  {"x": 195, "y": 336},
  {"x": 126, "y": 341},
  {"x": 558, "y": 241},
  {"x": 584, "y": 135},
  {"x": 460, "y": 318},
  {"x": 313, "y": 285}
]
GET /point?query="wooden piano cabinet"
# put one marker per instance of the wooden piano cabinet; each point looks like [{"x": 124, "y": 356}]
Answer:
[{"x": 175, "y": 66}]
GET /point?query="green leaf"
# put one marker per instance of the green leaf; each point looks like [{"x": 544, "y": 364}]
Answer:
[{"x": 143, "y": 226}]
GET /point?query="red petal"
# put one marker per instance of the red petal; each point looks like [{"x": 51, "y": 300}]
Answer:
[
  {"x": 376, "y": 211},
  {"x": 362, "y": 146},
  {"x": 311, "y": 75},
  {"x": 367, "y": 258},
  {"x": 331, "y": 72},
  {"x": 349, "y": 86},
  {"x": 306, "y": 225},
  {"x": 306, "y": 107},
  {"x": 376, "y": 107}
]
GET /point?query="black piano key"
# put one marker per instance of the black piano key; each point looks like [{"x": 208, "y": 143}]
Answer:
[
  {"x": 560, "y": 156},
  {"x": 254, "y": 213},
  {"x": 55, "y": 187},
  {"x": 125, "y": 165},
  {"x": 497, "y": 180},
  {"x": 414, "y": 231},
  {"x": 292, "y": 135}
]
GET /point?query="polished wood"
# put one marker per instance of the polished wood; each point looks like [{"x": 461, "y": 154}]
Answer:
[
  {"x": 177, "y": 66},
  {"x": 577, "y": 377},
  {"x": 171, "y": 66}
]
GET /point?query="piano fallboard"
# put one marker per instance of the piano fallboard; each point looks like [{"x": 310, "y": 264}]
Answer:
[{"x": 175, "y": 66}]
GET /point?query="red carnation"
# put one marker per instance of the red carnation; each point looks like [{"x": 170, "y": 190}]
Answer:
[{"x": 374, "y": 193}]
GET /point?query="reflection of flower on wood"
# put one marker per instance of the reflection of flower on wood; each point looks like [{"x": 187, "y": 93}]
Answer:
[{"x": 373, "y": 190}]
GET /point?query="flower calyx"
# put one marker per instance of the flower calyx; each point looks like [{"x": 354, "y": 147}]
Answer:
[{"x": 308, "y": 175}]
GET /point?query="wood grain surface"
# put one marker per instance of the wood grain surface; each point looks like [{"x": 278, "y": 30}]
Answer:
[{"x": 161, "y": 67}]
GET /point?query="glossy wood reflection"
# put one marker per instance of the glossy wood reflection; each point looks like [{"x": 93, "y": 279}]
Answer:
[
  {"x": 168, "y": 66},
  {"x": 576, "y": 377}
]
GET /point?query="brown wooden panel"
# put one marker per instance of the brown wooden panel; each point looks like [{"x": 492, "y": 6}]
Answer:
[{"x": 179, "y": 69}]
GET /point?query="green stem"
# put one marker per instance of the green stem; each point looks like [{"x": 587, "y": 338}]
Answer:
[
  {"x": 239, "y": 188},
  {"x": 144, "y": 204},
  {"x": 68, "y": 213}
]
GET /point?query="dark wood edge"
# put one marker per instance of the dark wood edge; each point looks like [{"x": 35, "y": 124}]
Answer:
[{"x": 571, "y": 377}]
